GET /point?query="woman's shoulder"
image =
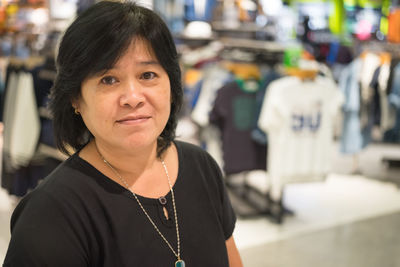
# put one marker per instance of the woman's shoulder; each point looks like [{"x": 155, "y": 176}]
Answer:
[
  {"x": 55, "y": 185},
  {"x": 190, "y": 150},
  {"x": 47, "y": 223},
  {"x": 187, "y": 146},
  {"x": 67, "y": 192},
  {"x": 68, "y": 183},
  {"x": 70, "y": 173},
  {"x": 193, "y": 157}
]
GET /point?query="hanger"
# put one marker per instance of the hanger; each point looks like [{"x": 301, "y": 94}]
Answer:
[
  {"x": 192, "y": 76},
  {"x": 244, "y": 71},
  {"x": 364, "y": 54},
  {"x": 28, "y": 63},
  {"x": 307, "y": 68},
  {"x": 302, "y": 74},
  {"x": 385, "y": 57},
  {"x": 304, "y": 68},
  {"x": 33, "y": 61}
]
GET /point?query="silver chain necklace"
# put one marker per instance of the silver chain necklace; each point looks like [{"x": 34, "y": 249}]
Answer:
[{"x": 179, "y": 262}]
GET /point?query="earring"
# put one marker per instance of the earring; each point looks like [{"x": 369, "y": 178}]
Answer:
[{"x": 76, "y": 111}]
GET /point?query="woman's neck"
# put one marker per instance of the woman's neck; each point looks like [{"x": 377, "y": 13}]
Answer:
[
  {"x": 141, "y": 172},
  {"x": 130, "y": 164}
]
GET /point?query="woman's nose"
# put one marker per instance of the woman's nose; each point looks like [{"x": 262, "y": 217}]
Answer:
[{"x": 132, "y": 95}]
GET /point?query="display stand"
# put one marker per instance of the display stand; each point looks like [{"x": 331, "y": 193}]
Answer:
[
  {"x": 391, "y": 162},
  {"x": 258, "y": 204}
]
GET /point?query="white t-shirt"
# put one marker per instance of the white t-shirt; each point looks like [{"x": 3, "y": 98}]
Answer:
[{"x": 299, "y": 119}]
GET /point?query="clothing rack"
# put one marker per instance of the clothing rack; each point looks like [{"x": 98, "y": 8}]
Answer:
[
  {"x": 255, "y": 203},
  {"x": 21, "y": 177},
  {"x": 393, "y": 49},
  {"x": 251, "y": 201},
  {"x": 258, "y": 52},
  {"x": 391, "y": 162}
]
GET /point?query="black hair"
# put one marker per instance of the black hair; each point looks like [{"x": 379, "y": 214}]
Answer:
[{"x": 93, "y": 43}]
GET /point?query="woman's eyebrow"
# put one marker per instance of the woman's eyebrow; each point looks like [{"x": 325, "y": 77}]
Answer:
[
  {"x": 150, "y": 62},
  {"x": 142, "y": 63}
]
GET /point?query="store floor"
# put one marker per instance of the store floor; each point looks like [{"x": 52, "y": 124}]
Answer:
[
  {"x": 368, "y": 243},
  {"x": 347, "y": 220}
]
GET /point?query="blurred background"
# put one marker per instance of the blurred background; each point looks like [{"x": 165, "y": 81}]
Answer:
[{"x": 298, "y": 101}]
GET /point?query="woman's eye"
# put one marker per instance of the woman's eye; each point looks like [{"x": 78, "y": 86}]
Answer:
[
  {"x": 109, "y": 80},
  {"x": 148, "y": 75}
]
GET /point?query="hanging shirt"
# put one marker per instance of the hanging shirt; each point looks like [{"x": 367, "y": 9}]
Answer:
[
  {"x": 351, "y": 140},
  {"x": 371, "y": 61},
  {"x": 299, "y": 118},
  {"x": 214, "y": 78},
  {"x": 199, "y": 10},
  {"x": 387, "y": 112},
  {"x": 21, "y": 120},
  {"x": 26, "y": 128},
  {"x": 234, "y": 112},
  {"x": 257, "y": 134},
  {"x": 393, "y": 135}
]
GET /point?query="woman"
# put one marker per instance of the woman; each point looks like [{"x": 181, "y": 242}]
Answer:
[{"x": 130, "y": 195}]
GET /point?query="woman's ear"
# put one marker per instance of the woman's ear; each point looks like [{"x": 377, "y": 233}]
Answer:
[{"x": 75, "y": 106}]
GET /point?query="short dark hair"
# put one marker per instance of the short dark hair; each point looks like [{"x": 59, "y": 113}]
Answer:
[{"x": 93, "y": 43}]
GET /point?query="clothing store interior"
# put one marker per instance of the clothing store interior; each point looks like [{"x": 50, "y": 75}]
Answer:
[{"x": 313, "y": 173}]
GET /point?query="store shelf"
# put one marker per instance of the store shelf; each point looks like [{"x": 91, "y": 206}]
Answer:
[
  {"x": 252, "y": 44},
  {"x": 391, "y": 162},
  {"x": 243, "y": 27}
]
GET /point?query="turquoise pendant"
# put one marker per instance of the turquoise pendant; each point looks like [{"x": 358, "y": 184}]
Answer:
[{"x": 179, "y": 263}]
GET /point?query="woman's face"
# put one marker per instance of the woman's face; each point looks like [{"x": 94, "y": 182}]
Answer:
[{"x": 128, "y": 106}]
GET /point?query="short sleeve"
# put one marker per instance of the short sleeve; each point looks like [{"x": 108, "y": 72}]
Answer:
[
  {"x": 42, "y": 236},
  {"x": 219, "y": 111},
  {"x": 337, "y": 98},
  {"x": 216, "y": 77},
  {"x": 270, "y": 115},
  {"x": 394, "y": 96},
  {"x": 338, "y": 102}
]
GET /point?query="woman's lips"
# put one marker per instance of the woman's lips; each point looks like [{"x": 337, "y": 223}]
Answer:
[{"x": 133, "y": 119}]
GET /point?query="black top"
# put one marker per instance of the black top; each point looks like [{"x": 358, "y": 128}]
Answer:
[
  {"x": 233, "y": 113},
  {"x": 79, "y": 217}
]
